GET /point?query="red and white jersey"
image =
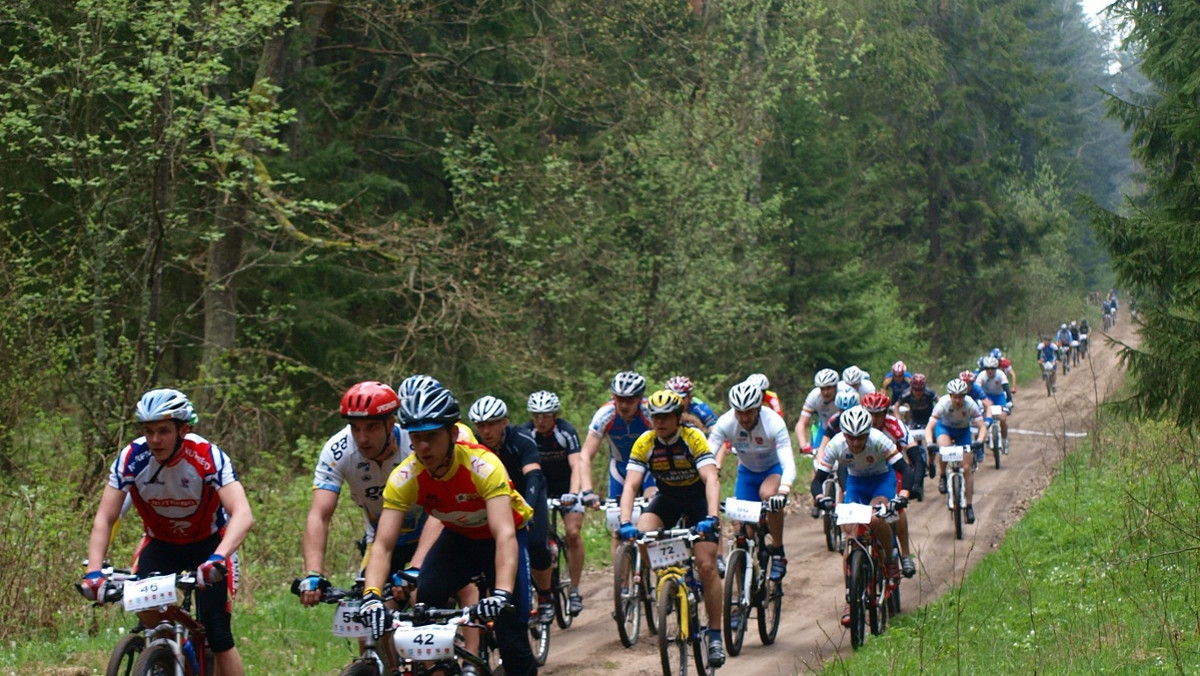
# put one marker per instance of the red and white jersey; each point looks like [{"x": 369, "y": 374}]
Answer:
[
  {"x": 178, "y": 502},
  {"x": 898, "y": 431}
]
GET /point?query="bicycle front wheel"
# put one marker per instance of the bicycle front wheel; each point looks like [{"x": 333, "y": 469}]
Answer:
[
  {"x": 672, "y": 643},
  {"x": 858, "y": 592},
  {"x": 561, "y": 589},
  {"x": 878, "y": 607},
  {"x": 626, "y": 609},
  {"x": 769, "y": 610},
  {"x": 956, "y": 498},
  {"x": 736, "y": 605},
  {"x": 361, "y": 668},
  {"x": 157, "y": 660},
  {"x": 995, "y": 441},
  {"x": 125, "y": 654}
]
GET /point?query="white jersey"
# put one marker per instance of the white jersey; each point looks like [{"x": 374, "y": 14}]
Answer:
[
  {"x": 876, "y": 458},
  {"x": 819, "y": 408},
  {"x": 865, "y": 386},
  {"x": 957, "y": 418},
  {"x": 341, "y": 462},
  {"x": 993, "y": 385},
  {"x": 760, "y": 448}
]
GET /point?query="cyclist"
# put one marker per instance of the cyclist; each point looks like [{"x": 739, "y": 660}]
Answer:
[
  {"x": 679, "y": 459},
  {"x": 361, "y": 455},
  {"x": 818, "y": 405},
  {"x": 766, "y": 467},
  {"x": 558, "y": 444},
  {"x": 950, "y": 424},
  {"x": 408, "y": 387},
  {"x": 1063, "y": 338},
  {"x": 1047, "y": 353},
  {"x": 920, "y": 400},
  {"x": 465, "y": 486},
  {"x": 878, "y": 404},
  {"x": 995, "y": 387},
  {"x": 194, "y": 513},
  {"x": 619, "y": 422},
  {"x": 845, "y": 400},
  {"x": 696, "y": 412},
  {"x": 897, "y": 381},
  {"x": 522, "y": 460},
  {"x": 1084, "y": 331},
  {"x": 975, "y": 391},
  {"x": 858, "y": 379},
  {"x": 1006, "y": 368},
  {"x": 770, "y": 399},
  {"x": 873, "y": 464}
]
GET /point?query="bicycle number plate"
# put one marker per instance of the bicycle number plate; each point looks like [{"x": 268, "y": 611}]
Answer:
[
  {"x": 951, "y": 453},
  {"x": 344, "y": 622},
  {"x": 748, "y": 511},
  {"x": 613, "y": 515},
  {"x": 152, "y": 592},
  {"x": 1083, "y": 337},
  {"x": 852, "y": 512},
  {"x": 663, "y": 553},
  {"x": 430, "y": 642},
  {"x": 1048, "y": 366},
  {"x": 996, "y": 410},
  {"x": 918, "y": 434}
]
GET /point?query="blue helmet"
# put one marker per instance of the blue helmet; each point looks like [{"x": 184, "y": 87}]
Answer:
[{"x": 997, "y": 353}]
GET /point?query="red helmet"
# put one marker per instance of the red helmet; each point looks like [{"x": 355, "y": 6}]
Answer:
[
  {"x": 369, "y": 400},
  {"x": 918, "y": 381},
  {"x": 967, "y": 377},
  {"x": 681, "y": 385},
  {"x": 876, "y": 402},
  {"x": 1005, "y": 363},
  {"x": 899, "y": 368}
]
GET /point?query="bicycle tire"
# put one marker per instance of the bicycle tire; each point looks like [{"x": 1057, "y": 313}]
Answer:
[
  {"x": 626, "y": 609},
  {"x": 539, "y": 641},
  {"x": 894, "y": 600},
  {"x": 995, "y": 441},
  {"x": 879, "y": 606},
  {"x": 769, "y": 611},
  {"x": 125, "y": 654},
  {"x": 1046, "y": 379},
  {"x": 672, "y": 646},
  {"x": 831, "y": 529},
  {"x": 561, "y": 590},
  {"x": 698, "y": 617},
  {"x": 157, "y": 660},
  {"x": 857, "y": 586},
  {"x": 361, "y": 668},
  {"x": 956, "y": 499},
  {"x": 736, "y": 612}
]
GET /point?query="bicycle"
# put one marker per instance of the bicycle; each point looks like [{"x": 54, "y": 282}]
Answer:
[
  {"x": 682, "y": 618},
  {"x": 371, "y": 661},
  {"x": 747, "y": 584},
  {"x": 871, "y": 594},
  {"x": 1065, "y": 353},
  {"x": 832, "y": 489},
  {"x": 425, "y": 635},
  {"x": 1083, "y": 346},
  {"x": 995, "y": 441},
  {"x": 1075, "y": 356},
  {"x": 1050, "y": 377},
  {"x": 176, "y": 646},
  {"x": 560, "y": 576},
  {"x": 956, "y": 490},
  {"x": 632, "y": 580}
]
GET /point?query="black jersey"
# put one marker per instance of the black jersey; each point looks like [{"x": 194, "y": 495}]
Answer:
[{"x": 556, "y": 449}]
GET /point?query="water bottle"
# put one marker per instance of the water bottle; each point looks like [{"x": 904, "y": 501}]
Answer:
[{"x": 189, "y": 651}]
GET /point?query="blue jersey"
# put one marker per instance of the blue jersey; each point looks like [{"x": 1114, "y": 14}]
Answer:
[
  {"x": 703, "y": 412},
  {"x": 1048, "y": 352}
]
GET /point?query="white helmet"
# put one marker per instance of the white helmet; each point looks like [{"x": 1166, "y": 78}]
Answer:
[
  {"x": 956, "y": 386},
  {"x": 846, "y": 398},
  {"x": 991, "y": 363},
  {"x": 758, "y": 380},
  {"x": 543, "y": 401},
  {"x": 826, "y": 378},
  {"x": 487, "y": 408},
  {"x": 855, "y": 422},
  {"x": 1062, "y": 327},
  {"x": 745, "y": 396},
  {"x": 628, "y": 384},
  {"x": 853, "y": 375},
  {"x": 165, "y": 404}
]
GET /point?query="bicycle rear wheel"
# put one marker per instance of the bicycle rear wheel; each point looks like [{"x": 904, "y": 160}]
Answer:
[
  {"x": 559, "y": 588},
  {"x": 736, "y": 606},
  {"x": 672, "y": 644},
  {"x": 626, "y": 609},
  {"x": 125, "y": 654},
  {"x": 361, "y": 668},
  {"x": 857, "y": 591},
  {"x": 157, "y": 660},
  {"x": 956, "y": 496},
  {"x": 698, "y": 612}
]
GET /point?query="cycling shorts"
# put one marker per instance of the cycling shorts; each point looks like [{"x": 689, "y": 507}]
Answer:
[
  {"x": 817, "y": 436},
  {"x": 997, "y": 399},
  {"x": 212, "y": 604},
  {"x": 959, "y": 436},
  {"x": 748, "y": 482},
  {"x": 616, "y": 484},
  {"x": 863, "y": 489},
  {"x": 690, "y": 505}
]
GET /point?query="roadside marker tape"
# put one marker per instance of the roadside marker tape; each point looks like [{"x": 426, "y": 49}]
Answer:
[{"x": 1036, "y": 433}]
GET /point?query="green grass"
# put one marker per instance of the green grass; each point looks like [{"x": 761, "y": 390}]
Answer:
[{"x": 1092, "y": 580}]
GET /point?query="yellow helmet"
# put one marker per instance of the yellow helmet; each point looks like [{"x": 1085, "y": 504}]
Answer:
[{"x": 664, "y": 401}]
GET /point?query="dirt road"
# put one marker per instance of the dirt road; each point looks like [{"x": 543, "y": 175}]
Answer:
[{"x": 810, "y": 631}]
